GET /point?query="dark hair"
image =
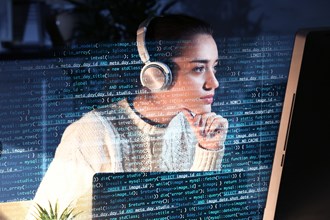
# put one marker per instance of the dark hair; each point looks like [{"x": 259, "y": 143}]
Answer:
[{"x": 176, "y": 28}]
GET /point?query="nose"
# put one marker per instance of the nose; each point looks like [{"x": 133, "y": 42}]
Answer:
[{"x": 211, "y": 81}]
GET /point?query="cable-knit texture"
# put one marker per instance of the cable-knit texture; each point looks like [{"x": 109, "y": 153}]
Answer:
[{"x": 115, "y": 139}]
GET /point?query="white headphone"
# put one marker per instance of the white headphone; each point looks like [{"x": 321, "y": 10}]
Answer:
[{"x": 156, "y": 76}]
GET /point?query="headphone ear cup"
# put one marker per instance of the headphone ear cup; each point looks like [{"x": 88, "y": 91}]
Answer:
[{"x": 156, "y": 76}]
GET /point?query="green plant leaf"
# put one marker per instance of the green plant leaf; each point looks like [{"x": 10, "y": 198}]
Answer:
[{"x": 52, "y": 214}]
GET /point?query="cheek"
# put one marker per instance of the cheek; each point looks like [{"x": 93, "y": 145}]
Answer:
[
  {"x": 193, "y": 83},
  {"x": 188, "y": 81}
]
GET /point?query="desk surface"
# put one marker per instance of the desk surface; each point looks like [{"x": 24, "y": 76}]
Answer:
[{"x": 14, "y": 210}]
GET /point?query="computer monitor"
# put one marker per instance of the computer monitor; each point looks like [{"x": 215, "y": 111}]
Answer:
[{"x": 300, "y": 184}]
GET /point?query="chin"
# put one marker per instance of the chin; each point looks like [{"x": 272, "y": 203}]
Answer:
[{"x": 203, "y": 109}]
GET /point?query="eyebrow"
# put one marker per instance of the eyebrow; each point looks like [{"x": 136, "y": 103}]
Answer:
[{"x": 202, "y": 61}]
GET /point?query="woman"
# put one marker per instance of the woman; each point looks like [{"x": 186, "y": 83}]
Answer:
[{"x": 171, "y": 129}]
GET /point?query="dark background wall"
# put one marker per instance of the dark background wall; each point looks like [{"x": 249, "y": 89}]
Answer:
[{"x": 26, "y": 24}]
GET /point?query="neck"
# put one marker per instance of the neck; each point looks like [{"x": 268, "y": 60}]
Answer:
[{"x": 152, "y": 109}]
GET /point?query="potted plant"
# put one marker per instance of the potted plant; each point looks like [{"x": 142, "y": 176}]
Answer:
[{"x": 53, "y": 213}]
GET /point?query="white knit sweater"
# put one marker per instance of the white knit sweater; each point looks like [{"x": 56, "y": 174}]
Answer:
[{"x": 115, "y": 139}]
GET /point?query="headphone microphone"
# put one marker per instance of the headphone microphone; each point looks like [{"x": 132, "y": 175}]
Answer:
[{"x": 156, "y": 76}]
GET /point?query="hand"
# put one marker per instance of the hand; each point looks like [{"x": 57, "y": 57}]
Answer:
[{"x": 210, "y": 129}]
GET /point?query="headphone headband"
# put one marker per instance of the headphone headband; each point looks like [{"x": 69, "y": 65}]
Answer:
[{"x": 140, "y": 39}]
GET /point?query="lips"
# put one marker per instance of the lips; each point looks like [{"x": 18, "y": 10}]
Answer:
[{"x": 207, "y": 99}]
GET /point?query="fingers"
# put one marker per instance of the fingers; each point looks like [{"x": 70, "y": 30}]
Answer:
[
  {"x": 220, "y": 124},
  {"x": 190, "y": 116},
  {"x": 214, "y": 124},
  {"x": 207, "y": 123},
  {"x": 210, "y": 129},
  {"x": 198, "y": 121}
]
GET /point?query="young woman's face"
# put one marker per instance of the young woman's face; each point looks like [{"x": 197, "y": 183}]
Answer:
[{"x": 195, "y": 80}]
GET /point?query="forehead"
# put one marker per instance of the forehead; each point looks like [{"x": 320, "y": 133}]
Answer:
[{"x": 200, "y": 47}]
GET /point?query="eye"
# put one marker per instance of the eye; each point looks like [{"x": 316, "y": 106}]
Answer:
[
  {"x": 199, "y": 69},
  {"x": 215, "y": 68}
]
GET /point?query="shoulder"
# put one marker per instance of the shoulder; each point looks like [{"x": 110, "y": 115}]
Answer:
[
  {"x": 88, "y": 134},
  {"x": 89, "y": 121},
  {"x": 98, "y": 120},
  {"x": 111, "y": 112},
  {"x": 99, "y": 115}
]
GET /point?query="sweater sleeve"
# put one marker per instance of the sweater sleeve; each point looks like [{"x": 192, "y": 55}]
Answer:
[
  {"x": 207, "y": 160},
  {"x": 69, "y": 176}
]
